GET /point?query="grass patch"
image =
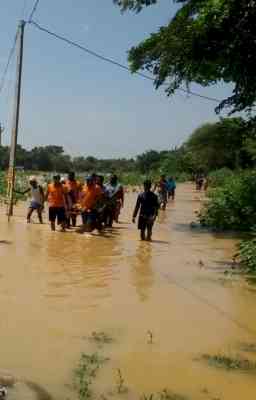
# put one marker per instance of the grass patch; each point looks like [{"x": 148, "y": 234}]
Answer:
[
  {"x": 101, "y": 338},
  {"x": 85, "y": 372},
  {"x": 167, "y": 395},
  {"x": 248, "y": 347},
  {"x": 230, "y": 363},
  {"x": 164, "y": 395}
]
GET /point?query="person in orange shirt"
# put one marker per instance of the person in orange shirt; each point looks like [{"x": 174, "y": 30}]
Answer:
[
  {"x": 73, "y": 189},
  {"x": 55, "y": 196},
  {"x": 90, "y": 195}
]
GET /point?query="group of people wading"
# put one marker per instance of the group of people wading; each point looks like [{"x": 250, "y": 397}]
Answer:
[{"x": 98, "y": 204}]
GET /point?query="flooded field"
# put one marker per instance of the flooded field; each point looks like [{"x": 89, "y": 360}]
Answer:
[{"x": 164, "y": 304}]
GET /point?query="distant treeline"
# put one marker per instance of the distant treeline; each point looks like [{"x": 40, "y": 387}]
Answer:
[{"x": 229, "y": 143}]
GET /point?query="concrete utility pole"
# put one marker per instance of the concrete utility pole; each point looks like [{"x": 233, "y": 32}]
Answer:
[
  {"x": 15, "y": 123},
  {"x": 1, "y": 133}
]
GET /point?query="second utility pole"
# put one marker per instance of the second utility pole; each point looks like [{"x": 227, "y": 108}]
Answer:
[{"x": 15, "y": 123}]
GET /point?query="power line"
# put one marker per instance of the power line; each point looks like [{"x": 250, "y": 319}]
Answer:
[
  {"x": 8, "y": 63},
  {"x": 110, "y": 60},
  {"x": 218, "y": 309},
  {"x": 33, "y": 11}
]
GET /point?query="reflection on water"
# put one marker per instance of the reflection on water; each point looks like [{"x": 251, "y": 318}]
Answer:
[
  {"x": 55, "y": 289},
  {"x": 142, "y": 273}
]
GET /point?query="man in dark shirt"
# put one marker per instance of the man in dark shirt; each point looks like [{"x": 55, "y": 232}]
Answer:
[{"x": 147, "y": 204}]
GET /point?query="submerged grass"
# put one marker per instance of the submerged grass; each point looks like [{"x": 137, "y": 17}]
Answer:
[
  {"x": 164, "y": 395},
  {"x": 85, "y": 372},
  {"x": 230, "y": 363},
  {"x": 101, "y": 338},
  {"x": 248, "y": 347}
]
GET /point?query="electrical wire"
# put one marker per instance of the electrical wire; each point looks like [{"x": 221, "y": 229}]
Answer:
[
  {"x": 11, "y": 53},
  {"x": 33, "y": 11},
  {"x": 211, "y": 305},
  {"x": 110, "y": 60}
]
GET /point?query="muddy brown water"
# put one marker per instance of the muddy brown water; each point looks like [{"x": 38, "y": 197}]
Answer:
[{"x": 56, "y": 289}]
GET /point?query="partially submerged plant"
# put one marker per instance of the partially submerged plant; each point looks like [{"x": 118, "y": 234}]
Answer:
[
  {"x": 247, "y": 254},
  {"x": 149, "y": 397},
  {"x": 85, "y": 372},
  {"x": 164, "y": 395},
  {"x": 248, "y": 347},
  {"x": 101, "y": 338},
  {"x": 168, "y": 395},
  {"x": 150, "y": 337},
  {"x": 120, "y": 382},
  {"x": 229, "y": 363}
]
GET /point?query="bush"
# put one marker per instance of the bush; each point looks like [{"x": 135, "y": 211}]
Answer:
[
  {"x": 232, "y": 206},
  {"x": 219, "y": 177},
  {"x": 247, "y": 254},
  {"x": 183, "y": 177}
]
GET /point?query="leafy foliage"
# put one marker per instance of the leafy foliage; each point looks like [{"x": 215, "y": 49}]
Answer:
[
  {"x": 247, "y": 254},
  {"x": 85, "y": 373},
  {"x": 232, "y": 205},
  {"x": 206, "y": 41},
  {"x": 219, "y": 177},
  {"x": 135, "y": 5},
  {"x": 221, "y": 144},
  {"x": 101, "y": 338}
]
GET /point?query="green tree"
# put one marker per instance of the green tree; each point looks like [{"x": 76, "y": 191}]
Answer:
[
  {"x": 148, "y": 161},
  {"x": 206, "y": 41},
  {"x": 220, "y": 144}
]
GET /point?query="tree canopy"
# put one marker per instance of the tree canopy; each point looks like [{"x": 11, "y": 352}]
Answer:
[{"x": 205, "y": 42}]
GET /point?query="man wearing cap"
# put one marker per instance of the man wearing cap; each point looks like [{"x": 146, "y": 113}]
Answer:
[
  {"x": 55, "y": 196},
  {"x": 36, "y": 199}
]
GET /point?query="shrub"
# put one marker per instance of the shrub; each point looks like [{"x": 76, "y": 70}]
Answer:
[
  {"x": 183, "y": 177},
  {"x": 247, "y": 254},
  {"x": 219, "y": 177},
  {"x": 232, "y": 206}
]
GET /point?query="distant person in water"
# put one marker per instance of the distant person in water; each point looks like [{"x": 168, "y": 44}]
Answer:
[
  {"x": 55, "y": 196},
  {"x": 162, "y": 190},
  {"x": 147, "y": 204},
  {"x": 36, "y": 199},
  {"x": 115, "y": 194},
  {"x": 199, "y": 182},
  {"x": 171, "y": 187}
]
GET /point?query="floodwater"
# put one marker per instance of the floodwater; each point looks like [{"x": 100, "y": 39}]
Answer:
[{"x": 56, "y": 289}]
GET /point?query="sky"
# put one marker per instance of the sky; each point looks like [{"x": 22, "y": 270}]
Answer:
[{"x": 90, "y": 107}]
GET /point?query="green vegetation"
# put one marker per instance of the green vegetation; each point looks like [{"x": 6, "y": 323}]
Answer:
[
  {"x": 197, "y": 45},
  {"x": 229, "y": 363},
  {"x": 232, "y": 205},
  {"x": 248, "y": 347},
  {"x": 227, "y": 144},
  {"x": 101, "y": 338},
  {"x": 247, "y": 254},
  {"x": 85, "y": 372},
  {"x": 121, "y": 388},
  {"x": 164, "y": 395},
  {"x": 219, "y": 177}
]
